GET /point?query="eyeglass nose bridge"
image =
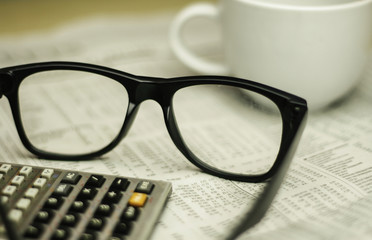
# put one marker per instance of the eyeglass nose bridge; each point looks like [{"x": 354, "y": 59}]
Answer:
[
  {"x": 162, "y": 94},
  {"x": 142, "y": 92},
  {"x": 151, "y": 91}
]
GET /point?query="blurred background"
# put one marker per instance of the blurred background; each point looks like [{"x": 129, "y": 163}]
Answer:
[{"x": 28, "y": 15}]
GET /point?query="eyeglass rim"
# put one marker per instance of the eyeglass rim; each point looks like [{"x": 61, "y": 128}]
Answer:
[{"x": 292, "y": 108}]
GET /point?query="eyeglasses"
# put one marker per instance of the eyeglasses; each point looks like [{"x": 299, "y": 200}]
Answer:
[{"x": 229, "y": 127}]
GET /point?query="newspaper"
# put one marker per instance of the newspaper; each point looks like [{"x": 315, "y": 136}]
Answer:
[{"x": 327, "y": 193}]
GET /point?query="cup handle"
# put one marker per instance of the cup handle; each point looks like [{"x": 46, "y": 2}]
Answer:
[{"x": 190, "y": 59}]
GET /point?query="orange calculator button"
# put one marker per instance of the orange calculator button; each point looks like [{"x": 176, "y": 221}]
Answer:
[{"x": 138, "y": 199}]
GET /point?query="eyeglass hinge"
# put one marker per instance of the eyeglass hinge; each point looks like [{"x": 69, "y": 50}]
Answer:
[{"x": 5, "y": 83}]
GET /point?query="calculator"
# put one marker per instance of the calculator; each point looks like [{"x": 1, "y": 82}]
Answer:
[{"x": 50, "y": 203}]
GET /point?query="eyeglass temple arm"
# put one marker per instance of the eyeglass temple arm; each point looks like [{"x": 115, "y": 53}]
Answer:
[
  {"x": 254, "y": 215},
  {"x": 5, "y": 83}
]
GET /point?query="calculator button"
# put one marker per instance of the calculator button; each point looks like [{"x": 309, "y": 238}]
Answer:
[
  {"x": 71, "y": 178},
  {"x": 88, "y": 236},
  {"x": 130, "y": 213},
  {"x": 120, "y": 184},
  {"x": 53, "y": 202},
  {"x": 137, "y": 199},
  {"x": 31, "y": 192},
  {"x": 95, "y": 181},
  {"x": 9, "y": 190},
  {"x": 4, "y": 199},
  {"x": 33, "y": 231},
  {"x": 104, "y": 209},
  {"x": 63, "y": 189},
  {"x": 39, "y": 182},
  {"x": 44, "y": 216},
  {"x": 87, "y": 193},
  {"x": 79, "y": 206},
  {"x": 18, "y": 180},
  {"x": 47, "y": 173},
  {"x": 60, "y": 234},
  {"x": 5, "y": 168},
  {"x": 25, "y": 171},
  {"x": 144, "y": 187},
  {"x": 122, "y": 228},
  {"x": 96, "y": 223},
  {"x": 112, "y": 197},
  {"x": 15, "y": 215},
  {"x": 70, "y": 219},
  {"x": 23, "y": 203},
  {"x": 116, "y": 237}
]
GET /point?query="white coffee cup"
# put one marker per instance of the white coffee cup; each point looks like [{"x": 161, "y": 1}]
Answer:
[{"x": 316, "y": 49}]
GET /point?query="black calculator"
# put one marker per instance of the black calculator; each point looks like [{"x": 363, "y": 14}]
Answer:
[{"x": 50, "y": 203}]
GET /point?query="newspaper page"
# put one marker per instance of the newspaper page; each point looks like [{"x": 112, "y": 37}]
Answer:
[{"x": 328, "y": 189}]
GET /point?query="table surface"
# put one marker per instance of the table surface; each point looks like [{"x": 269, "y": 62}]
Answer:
[{"x": 20, "y": 16}]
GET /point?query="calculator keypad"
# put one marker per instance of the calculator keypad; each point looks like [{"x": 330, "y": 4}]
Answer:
[{"x": 80, "y": 205}]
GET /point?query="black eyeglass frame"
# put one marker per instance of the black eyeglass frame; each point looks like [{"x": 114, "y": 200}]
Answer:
[{"x": 293, "y": 109}]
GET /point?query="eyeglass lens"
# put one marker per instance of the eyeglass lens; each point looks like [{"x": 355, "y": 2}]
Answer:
[
  {"x": 226, "y": 129},
  {"x": 73, "y": 112}
]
